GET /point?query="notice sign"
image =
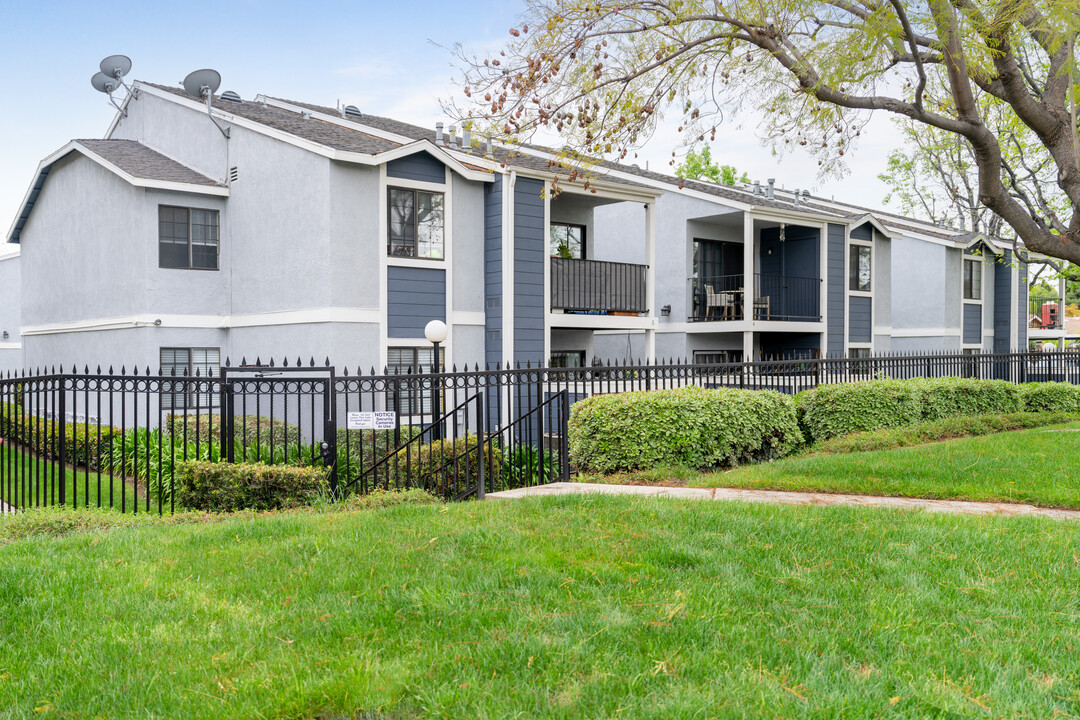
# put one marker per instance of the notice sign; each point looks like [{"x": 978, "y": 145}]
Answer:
[{"x": 371, "y": 420}]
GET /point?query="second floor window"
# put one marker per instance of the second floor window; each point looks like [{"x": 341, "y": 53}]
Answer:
[
  {"x": 859, "y": 269},
  {"x": 972, "y": 279},
  {"x": 567, "y": 241},
  {"x": 416, "y": 224},
  {"x": 187, "y": 238}
]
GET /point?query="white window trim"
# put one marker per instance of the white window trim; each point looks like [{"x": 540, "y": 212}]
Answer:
[
  {"x": 446, "y": 263},
  {"x": 849, "y": 293},
  {"x": 981, "y": 302}
]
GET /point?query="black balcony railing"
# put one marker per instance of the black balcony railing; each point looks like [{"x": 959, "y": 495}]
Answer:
[
  {"x": 598, "y": 286},
  {"x": 776, "y": 297},
  {"x": 1044, "y": 314}
]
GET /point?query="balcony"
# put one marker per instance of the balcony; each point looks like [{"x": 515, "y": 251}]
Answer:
[
  {"x": 1044, "y": 314},
  {"x": 594, "y": 286},
  {"x": 779, "y": 298}
]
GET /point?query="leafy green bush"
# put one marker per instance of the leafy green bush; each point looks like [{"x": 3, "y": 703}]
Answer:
[
  {"x": 938, "y": 430},
  {"x": 1050, "y": 397},
  {"x": 248, "y": 430},
  {"x": 82, "y": 444},
  {"x": 358, "y": 450},
  {"x": 834, "y": 410},
  {"x": 446, "y": 468},
  {"x": 224, "y": 487},
  {"x": 689, "y": 426},
  {"x": 525, "y": 465}
]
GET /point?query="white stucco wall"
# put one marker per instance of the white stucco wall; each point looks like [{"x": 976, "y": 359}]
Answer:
[{"x": 11, "y": 355}]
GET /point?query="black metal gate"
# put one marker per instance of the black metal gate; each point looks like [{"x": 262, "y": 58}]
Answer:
[{"x": 280, "y": 415}]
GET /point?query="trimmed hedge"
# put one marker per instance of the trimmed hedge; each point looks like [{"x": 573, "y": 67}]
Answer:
[
  {"x": 225, "y": 487},
  {"x": 835, "y": 410},
  {"x": 82, "y": 444},
  {"x": 690, "y": 426},
  {"x": 939, "y": 430},
  {"x": 1050, "y": 397}
]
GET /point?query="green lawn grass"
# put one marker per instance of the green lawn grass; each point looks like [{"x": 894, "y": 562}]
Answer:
[
  {"x": 1039, "y": 466},
  {"x": 564, "y": 607},
  {"x": 31, "y": 482}
]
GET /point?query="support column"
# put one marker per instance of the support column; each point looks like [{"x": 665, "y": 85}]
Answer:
[
  {"x": 650, "y": 278},
  {"x": 748, "y": 346},
  {"x": 748, "y": 268}
]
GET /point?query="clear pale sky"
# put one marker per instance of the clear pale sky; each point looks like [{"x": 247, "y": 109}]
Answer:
[{"x": 388, "y": 58}]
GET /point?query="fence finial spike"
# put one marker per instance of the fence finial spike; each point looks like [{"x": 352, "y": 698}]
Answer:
[
  {"x": 258, "y": 361},
  {"x": 454, "y": 366},
  {"x": 243, "y": 360},
  {"x": 123, "y": 369},
  {"x": 148, "y": 371},
  {"x": 346, "y": 371},
  {"x": 299, "y": 361},
  {"x": 271, "y": 362},
  {"x": 198, "y": 372},
  {"x": 312, "y": 361},
  {"x": 110, "y": 370},
  {"x": 327, "y": 361}
]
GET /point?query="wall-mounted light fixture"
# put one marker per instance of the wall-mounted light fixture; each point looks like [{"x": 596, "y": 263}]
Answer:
[{"x": 666, "y": 310}]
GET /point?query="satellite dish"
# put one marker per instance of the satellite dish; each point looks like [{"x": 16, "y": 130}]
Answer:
[
  {"x": 202, "y": 83},
  {"x": 116, "y": 66},
  {"x": 104, "y": 83}
]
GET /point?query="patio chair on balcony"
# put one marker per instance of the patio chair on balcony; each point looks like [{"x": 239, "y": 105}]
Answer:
[
  {"x": 713, "y": 302},
  {"x": 762, "y": 307}
]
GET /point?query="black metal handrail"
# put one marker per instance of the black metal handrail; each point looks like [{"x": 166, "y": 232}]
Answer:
[{"x": 598, "y": 286}]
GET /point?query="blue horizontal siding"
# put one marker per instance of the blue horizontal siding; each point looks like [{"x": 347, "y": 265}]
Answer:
[
  {"x": 972, "y": 324},
  {"x": 414, "y": 297},
  {"x": 420, "y": 166},
  {"x": 861, "y": 320}
]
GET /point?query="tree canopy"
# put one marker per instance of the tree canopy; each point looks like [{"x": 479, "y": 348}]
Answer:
[
  {"x": 700, "y": 166},
  {"x": 603, "y": 72}
]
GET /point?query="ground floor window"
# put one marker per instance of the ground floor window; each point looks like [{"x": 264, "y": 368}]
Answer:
[
  {"x": 201, "y": 367},
  {"x": 411, "y": 396},
  {"x": 568, "y": 359},
  {"x": 717, "y": 357}
]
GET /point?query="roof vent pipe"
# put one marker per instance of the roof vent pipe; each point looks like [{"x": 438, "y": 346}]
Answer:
[
  {"x": 770, "y": 189},
  {"x": 453, "y": 136},
  {"x": 487, "y": 148},
  {"x": 796, "y": 197},
  {"x": 438, "y": 133},
  {"x": 757, "y": 187},
  {"x": 466, "y": 139}
]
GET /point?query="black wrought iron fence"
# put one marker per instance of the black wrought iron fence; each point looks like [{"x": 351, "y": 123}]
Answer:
[{"x": 115, "y": 439}]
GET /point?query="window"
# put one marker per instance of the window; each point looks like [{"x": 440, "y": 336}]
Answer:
[
  {"x": 567, "y": 241},
  {"x": 201, "y": 366},
  {"x": 717, "y": 357},
  {"x": 410, "y": 396},
  {"x": 972, "y": 279},
  {"x": 187, "y": 238},
  {"x": 859, "y": 268},
  {"x": 568, "y": 359},
  {"x": 416, "y": 224}
]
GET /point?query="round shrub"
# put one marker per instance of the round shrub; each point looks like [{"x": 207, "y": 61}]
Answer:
[{"x": 690, "y": 426}]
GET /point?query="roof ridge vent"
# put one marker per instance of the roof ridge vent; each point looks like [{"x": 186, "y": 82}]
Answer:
[{"x": 231, "y": 96}]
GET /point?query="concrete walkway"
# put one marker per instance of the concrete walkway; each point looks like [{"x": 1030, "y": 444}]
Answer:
[{"x": 791, "y": 498}]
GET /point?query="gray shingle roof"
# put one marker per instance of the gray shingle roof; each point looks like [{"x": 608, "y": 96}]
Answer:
[
  {"x": 317, "y": 131},
  {"x": 140, "y": 161}
]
